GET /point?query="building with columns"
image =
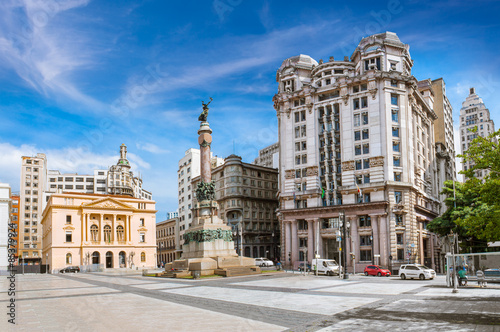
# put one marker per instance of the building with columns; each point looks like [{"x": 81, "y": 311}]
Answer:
[
  {"x": 357, "y": 137},
  {"x": 166, "y": 234},
  {"x": 98, "y": 231},
  {"x": 474, "y": 114}
]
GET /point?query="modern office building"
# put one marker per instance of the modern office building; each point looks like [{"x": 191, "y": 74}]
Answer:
[
  {"x": 357, "y": 149},
  {"x": 98, "y": 231},
  {"x": 189, "y": 168},
  {"x": 166, "y": 234},
  {"x": 5, "y": 211},
  {"x": 474, "y": 114},
  {"x": 33, "y": 185},
  {"x": 247, "y": 198},
  {"x": 268, "y": 156}
]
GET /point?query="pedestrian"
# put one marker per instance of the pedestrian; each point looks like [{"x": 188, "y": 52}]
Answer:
[
  {"x": 278, "y": 266},
  {"x": 481, "y": 281},
  {"x": 462, "y": 276}
]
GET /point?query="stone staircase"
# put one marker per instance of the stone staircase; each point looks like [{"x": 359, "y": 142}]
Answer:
[{"x": 233, "y": 271}]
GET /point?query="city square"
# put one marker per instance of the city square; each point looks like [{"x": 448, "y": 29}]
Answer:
[{"x": 127, "y": 301}]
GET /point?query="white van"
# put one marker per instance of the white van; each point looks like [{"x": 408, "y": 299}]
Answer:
[{"x": 326, "y": 266}]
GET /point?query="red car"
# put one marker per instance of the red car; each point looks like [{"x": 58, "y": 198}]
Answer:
[{"x": 376, "y": 270}]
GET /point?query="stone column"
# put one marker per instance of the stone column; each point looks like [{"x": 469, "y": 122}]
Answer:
[
  {"x": 310, "y": 240},
  {"x": 376, "y": 235},
  {"x": 205, "y": 139},
  {"x": 85, "y": 230},
  {"x": 433, "y": 265},
  {"x": 420, "y": 242},
  {"x": 101, "y": 230},
  {"x": 383, "y": 250},
  {"x": 294, "y": 241},
  {"x": 129, "y": 237},
  {"x": 317, "y": 236},
  {"x": 113, "y": 230},
  {"x": 354, "y": 238}
]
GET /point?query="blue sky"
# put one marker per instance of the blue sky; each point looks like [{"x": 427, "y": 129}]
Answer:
[{"x": 79, "y": 77}]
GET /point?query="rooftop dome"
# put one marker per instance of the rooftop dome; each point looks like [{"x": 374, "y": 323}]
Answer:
[{"x": 301, "y": 61}]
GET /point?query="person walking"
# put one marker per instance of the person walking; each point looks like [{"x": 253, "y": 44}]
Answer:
[{"x": 481, "y": 281}]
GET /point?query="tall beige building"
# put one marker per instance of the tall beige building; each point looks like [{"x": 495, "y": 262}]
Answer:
[
  {"x": 33, "y": 182},
  {"x": 98, "y": 231},
  {"x": 357, "y": 138},
  {"x": 474, "y": 114},
  {"x": 166, "y": 234}
]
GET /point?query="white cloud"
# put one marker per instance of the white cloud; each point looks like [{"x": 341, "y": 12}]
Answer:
[{"x": 150, "y": 147}]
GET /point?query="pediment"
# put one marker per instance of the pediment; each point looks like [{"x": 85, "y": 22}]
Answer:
[{"x": 107, "y": 203}]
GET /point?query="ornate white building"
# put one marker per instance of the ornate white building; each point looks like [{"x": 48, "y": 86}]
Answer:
[
  {"x": 474, "y": 114},
  {"x": 357, "y": 136}
]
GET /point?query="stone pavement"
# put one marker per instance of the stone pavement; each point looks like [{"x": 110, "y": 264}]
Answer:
[{"x": 274, "y": 302}]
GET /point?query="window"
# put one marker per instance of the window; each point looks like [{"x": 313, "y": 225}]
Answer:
[
  {"x": 366, "y": 134},
  {"x": 357, "y": 135},
  {"x": 357, "y": 150},
  {"x": 395, "y": 131},
  {"x": 357, "y": 119},
  {"x": 398, "y": 196},
  {"x": 365, "y": 255},
  {"x": 364, "y": 102},
  {"x": 396, "y": 161},
  {"x": 68, "y": 258},
  {"x": 355, "y": 104},
  {"x": 68, "y": 219},
  {"x": 366, "y": 163},
  {"x": 366, "y": 198},
  {"x": 143, "y": 256},
  {"x": 395, "y": 147},
  {"x": 397, "y": 176},
  {"x": 401, "y": 254},
  {"x": 394, "y": 83},
  {"x": 68, "y": 236},
  {"x": 358, "y": 164},
  {"x": 142, "y": 237},
  {"x": 366, "y": 178},
  {"x": 355, "y": 89},
  {"x": 395, "y": 115},
  {"x": 365, "y": 240},
  {"x": 399, "y": 238},
  {"x": 142, "y": 222},
  {"x": 365, "y": 118},
  {"x": 366, "y": 148},
  {"x": 93, "y": 232},
  {"x": 365, "y": 221},
  {"x": 394, "y": 99},
  {"x": 107, "y": 234}
]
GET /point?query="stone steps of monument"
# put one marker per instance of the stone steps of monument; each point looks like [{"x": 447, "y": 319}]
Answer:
[
  {"x": 174, "y": 274},
  {"x": 238, "y": 271}
]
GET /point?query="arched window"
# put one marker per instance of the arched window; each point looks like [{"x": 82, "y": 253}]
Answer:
[
  {"x": 143, "y": 256},
  {"x": 68, "y": 258},
  {"x": 95, "y": 257},
  {"x": 107, "y": 234},
  {"x": 94, "y": 230},
  {"x": 119, "y": 233}
]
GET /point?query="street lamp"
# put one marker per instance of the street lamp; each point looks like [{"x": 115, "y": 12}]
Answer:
[
  {"x": 343, "y": 256},
  {"x": 455, "y": 281},
  {"x": 371, "y": 242}
]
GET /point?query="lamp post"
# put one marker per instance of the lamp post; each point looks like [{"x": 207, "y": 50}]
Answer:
[
  {"x": 343, "y": 257},
  {"x": 455, "y": 281},
  {"x": 347, "y": 226},
  {"x": 371, "y": 242}
]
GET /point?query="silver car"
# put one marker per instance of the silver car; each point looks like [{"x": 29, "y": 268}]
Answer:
[
  {"x": 413, "y": 271},
  {"x": 262, "y": 262}
]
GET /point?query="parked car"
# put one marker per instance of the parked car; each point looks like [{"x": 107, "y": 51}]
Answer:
[
  {"x": 301, "y": 267},
  {"x": 68, "y": 269},
  {"x": 412, "y": 271},
  {"x": 262, "y": 262},
  {"x": 377, "y": 270},
  {"x": 326, "y": 266}
]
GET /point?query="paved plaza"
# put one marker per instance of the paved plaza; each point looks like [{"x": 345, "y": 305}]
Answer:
[{"x": 274, "y": 302}]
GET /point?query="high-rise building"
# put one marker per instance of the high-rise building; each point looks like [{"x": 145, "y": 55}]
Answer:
[
  {"x": 14, "y": 224},
  {"x": 33, "y": 184},
  {"x": 247, "y": 198},
  {"x": 474, "y": 114},
  {"x": 444, "y": 138},
  {"x": 357, "y": 149},
  {"x": 189, "y": 168},
  {"x": 269, "y": 156},
  {"x": 5, "y": 210}
]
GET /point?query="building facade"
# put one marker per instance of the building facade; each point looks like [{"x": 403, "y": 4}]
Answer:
[
  {"x": 166, "y": 235},
  {"x": 5, "y": 217},
  {"x": 189, "y": 168},
  {"x": 33, "y": 184},
  {"x": 14, "y": 223},
  {"x": 268, "y": 156},
  {"x": 247, "y": 198},
  {"x": 357, "y": 139},
  {"x": 98, "y": 231},
  {"x": 474, "y": 114}
]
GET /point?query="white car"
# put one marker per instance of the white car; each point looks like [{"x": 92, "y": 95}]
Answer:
[
  {"x": 412, "y": 271},
  {"x": 262, "y": 261}
]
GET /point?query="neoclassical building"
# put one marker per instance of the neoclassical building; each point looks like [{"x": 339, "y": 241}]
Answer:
[
  {"x": 92, "y": 230},
  {"x": 357, "y": 137}
]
